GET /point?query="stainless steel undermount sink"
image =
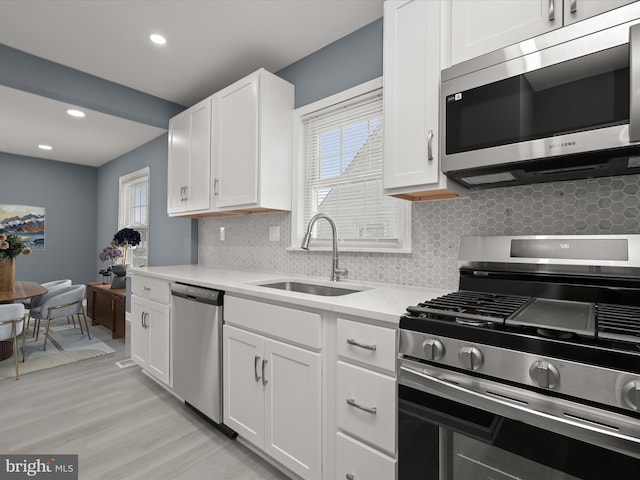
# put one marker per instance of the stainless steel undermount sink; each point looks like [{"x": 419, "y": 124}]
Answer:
[{"x": 311, "y": 288}]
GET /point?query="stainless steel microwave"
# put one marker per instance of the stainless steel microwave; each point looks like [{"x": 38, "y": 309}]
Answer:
[{"x": 560, "y": 106}]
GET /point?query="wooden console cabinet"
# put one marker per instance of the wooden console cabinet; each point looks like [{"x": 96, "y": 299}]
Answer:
[{"x": 106, "y": 306}]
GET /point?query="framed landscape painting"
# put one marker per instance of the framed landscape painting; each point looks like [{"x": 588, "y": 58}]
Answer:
[{"x": 24, "y": 221}]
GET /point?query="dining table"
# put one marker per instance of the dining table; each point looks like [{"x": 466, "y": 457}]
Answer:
[{"x": 21, "y": 291}]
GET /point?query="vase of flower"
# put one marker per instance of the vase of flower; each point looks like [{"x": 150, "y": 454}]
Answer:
[
  {"x": 119, "y": 279},
  {"x": 10, "y": 247},
  {"x": 7, "y": 274}
]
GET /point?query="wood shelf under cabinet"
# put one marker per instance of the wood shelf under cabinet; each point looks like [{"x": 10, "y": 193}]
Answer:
[{"x": 106, "y": 306}]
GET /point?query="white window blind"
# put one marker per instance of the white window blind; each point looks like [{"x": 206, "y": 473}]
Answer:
[{"x": 343, "y": 172}]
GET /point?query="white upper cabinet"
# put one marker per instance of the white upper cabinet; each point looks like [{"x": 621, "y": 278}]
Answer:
[
  {"x": 411, "y": 90},
  {"x": 252, "y": 143},
  {"x": 189, "y": 160},
  {"x": 576, "y": 10},
  {"x": 232, "y": 152},
  {"x": 482, "y": 26}
]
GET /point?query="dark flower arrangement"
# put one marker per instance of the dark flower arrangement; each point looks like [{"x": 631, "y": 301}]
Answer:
[
  {"x": 11, "y": 246},
  {"x": 125, "y": 238}
]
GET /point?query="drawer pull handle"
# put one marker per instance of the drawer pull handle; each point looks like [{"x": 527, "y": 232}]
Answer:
[
  {"x": 145, "y": 288},
  {"x": 350, "y": 476},
  {"x": 256, "y": 359},
  {"x": 353, "y": 403},
  {"x": 352, "y": 341},
  {"x": 264, "y": 378}
]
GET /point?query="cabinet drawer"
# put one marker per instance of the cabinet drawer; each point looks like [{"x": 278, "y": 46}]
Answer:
[
  {"x": 151, "y": 288},
  {"x": 289, "y": 324},
  {"x": 375, "y": 346},
  {"x": 361, "y": 462},
  {"x": 366, "y": 406}
]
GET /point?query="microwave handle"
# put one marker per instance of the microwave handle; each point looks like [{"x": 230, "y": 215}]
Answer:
[{"x": 634, "y": 73}]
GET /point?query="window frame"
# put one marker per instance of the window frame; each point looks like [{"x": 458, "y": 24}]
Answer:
[
  {"x": 402, "y": 245},
  {"x": 125, "y": 182}
]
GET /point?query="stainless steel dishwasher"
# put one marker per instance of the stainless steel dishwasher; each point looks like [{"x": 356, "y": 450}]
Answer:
[{"x": 196, "y": 314}]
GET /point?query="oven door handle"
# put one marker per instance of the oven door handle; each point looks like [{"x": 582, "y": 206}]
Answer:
[{"x": 569, "y": 425}]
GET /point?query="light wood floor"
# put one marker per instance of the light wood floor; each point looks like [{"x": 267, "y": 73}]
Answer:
[{"x": 121, "y": 424}]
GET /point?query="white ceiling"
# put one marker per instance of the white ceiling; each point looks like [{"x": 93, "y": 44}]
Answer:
[{"x": 210, "y": 44}]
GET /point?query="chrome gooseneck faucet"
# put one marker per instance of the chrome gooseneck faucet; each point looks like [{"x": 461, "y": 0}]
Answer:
[{"x": 336, "y": 272}]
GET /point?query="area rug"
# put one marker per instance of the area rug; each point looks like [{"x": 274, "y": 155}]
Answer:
[{"x": 65, "y": 345}]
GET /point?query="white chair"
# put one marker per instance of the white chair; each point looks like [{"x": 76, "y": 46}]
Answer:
[
  {"x": 64, "y": 303},
  {"x": 12, "y": 325},
  {"x": 28, "y": 303}
]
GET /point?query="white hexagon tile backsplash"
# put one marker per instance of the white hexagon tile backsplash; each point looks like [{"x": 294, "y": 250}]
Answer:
[{"x": 591, "y": 206}]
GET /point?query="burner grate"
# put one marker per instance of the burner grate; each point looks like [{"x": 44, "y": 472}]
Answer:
[
  {"x": 471, "y": 305},
  {"x": 618, "y": 319}
]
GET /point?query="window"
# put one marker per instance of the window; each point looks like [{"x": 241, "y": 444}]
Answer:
[
  {"x": 134, "y": 211},
  {"x": 340, "y": 170}
]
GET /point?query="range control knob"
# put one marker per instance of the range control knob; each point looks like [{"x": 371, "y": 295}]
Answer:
[
  {"x": 631, "y": 394},
  {"x": 470, "y": 357},
  {"x": 544, "y": 373},
  {"x": 433, "y": 349}
]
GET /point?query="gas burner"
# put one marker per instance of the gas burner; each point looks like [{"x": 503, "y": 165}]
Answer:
[
  {"x": 555, "y": 334},
  {"x": 475, "y": 323}
]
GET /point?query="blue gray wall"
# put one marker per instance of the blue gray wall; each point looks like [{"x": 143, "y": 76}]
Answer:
[
  {"x": 172, "y": 241},
  {"x": 345, "y": 63},
  {"x": 67, "y": 192},
  {"x": 82, "y": 202}
]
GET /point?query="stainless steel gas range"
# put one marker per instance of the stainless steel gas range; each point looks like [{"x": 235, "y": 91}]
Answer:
[{"x": 531, "y": 370}]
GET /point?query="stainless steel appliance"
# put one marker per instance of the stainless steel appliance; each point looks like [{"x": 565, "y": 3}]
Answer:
[
  {"x": 531, "y": 370},
  {"x": 196, "y": 315},
  {"x": 560, "y": 106}
]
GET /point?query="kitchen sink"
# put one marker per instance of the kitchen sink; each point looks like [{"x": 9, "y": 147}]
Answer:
[{"x": 311, "y": 288}]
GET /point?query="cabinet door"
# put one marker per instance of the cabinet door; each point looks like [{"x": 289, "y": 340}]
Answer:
[
  {"x": 481, "y": 26},
  {"x": 243, "y": 403},
  {"x": 293, "y": 408},
  {"x": 158, "y": 330},
  {"x": 178, "y": 179},
  {"x": 139, "y": 336},
  {"x": 576, "y": 10},
  {"x": 411, "y": 84},
  {"x": 198, "y": 194},
  {"x": 237, "y": 143}
]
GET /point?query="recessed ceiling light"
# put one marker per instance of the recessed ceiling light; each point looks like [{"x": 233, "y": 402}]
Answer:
[
  {"x": 75, "y": 113},
  {"x": 157, "y": 39},
  {"x": 45, "y": 147}
]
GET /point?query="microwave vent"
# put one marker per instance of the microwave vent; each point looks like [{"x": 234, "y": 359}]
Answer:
[{"x": 489, "y": 178}]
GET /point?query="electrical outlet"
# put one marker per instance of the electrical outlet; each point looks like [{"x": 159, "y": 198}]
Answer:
[
  {"x": 274, "y": 234},
  {"x": 222, "y": 234}
]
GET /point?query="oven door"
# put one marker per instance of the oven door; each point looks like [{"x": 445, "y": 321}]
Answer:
[{"x": 452, "y": 426}]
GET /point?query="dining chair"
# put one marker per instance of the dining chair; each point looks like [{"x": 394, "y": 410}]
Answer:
[
  {"x": 12, "y": 325},
  {"x": 28, "y": 302},
  {"x": 67, "y": 302}
]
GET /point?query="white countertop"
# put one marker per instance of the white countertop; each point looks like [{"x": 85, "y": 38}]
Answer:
[{"x": 377, "y": 302}]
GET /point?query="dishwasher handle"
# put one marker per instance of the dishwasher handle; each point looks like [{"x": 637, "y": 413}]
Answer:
[{"x": 197, "y": 294}]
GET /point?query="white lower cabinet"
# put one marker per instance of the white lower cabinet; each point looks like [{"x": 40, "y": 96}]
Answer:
[
  {"x": 151, "y": 326},
  {"x": 150, "y": 329},
  {"x": 366, "y": 401},
  {"x": 357, "y": 461},
  {"x": 272, "y": 398}
]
